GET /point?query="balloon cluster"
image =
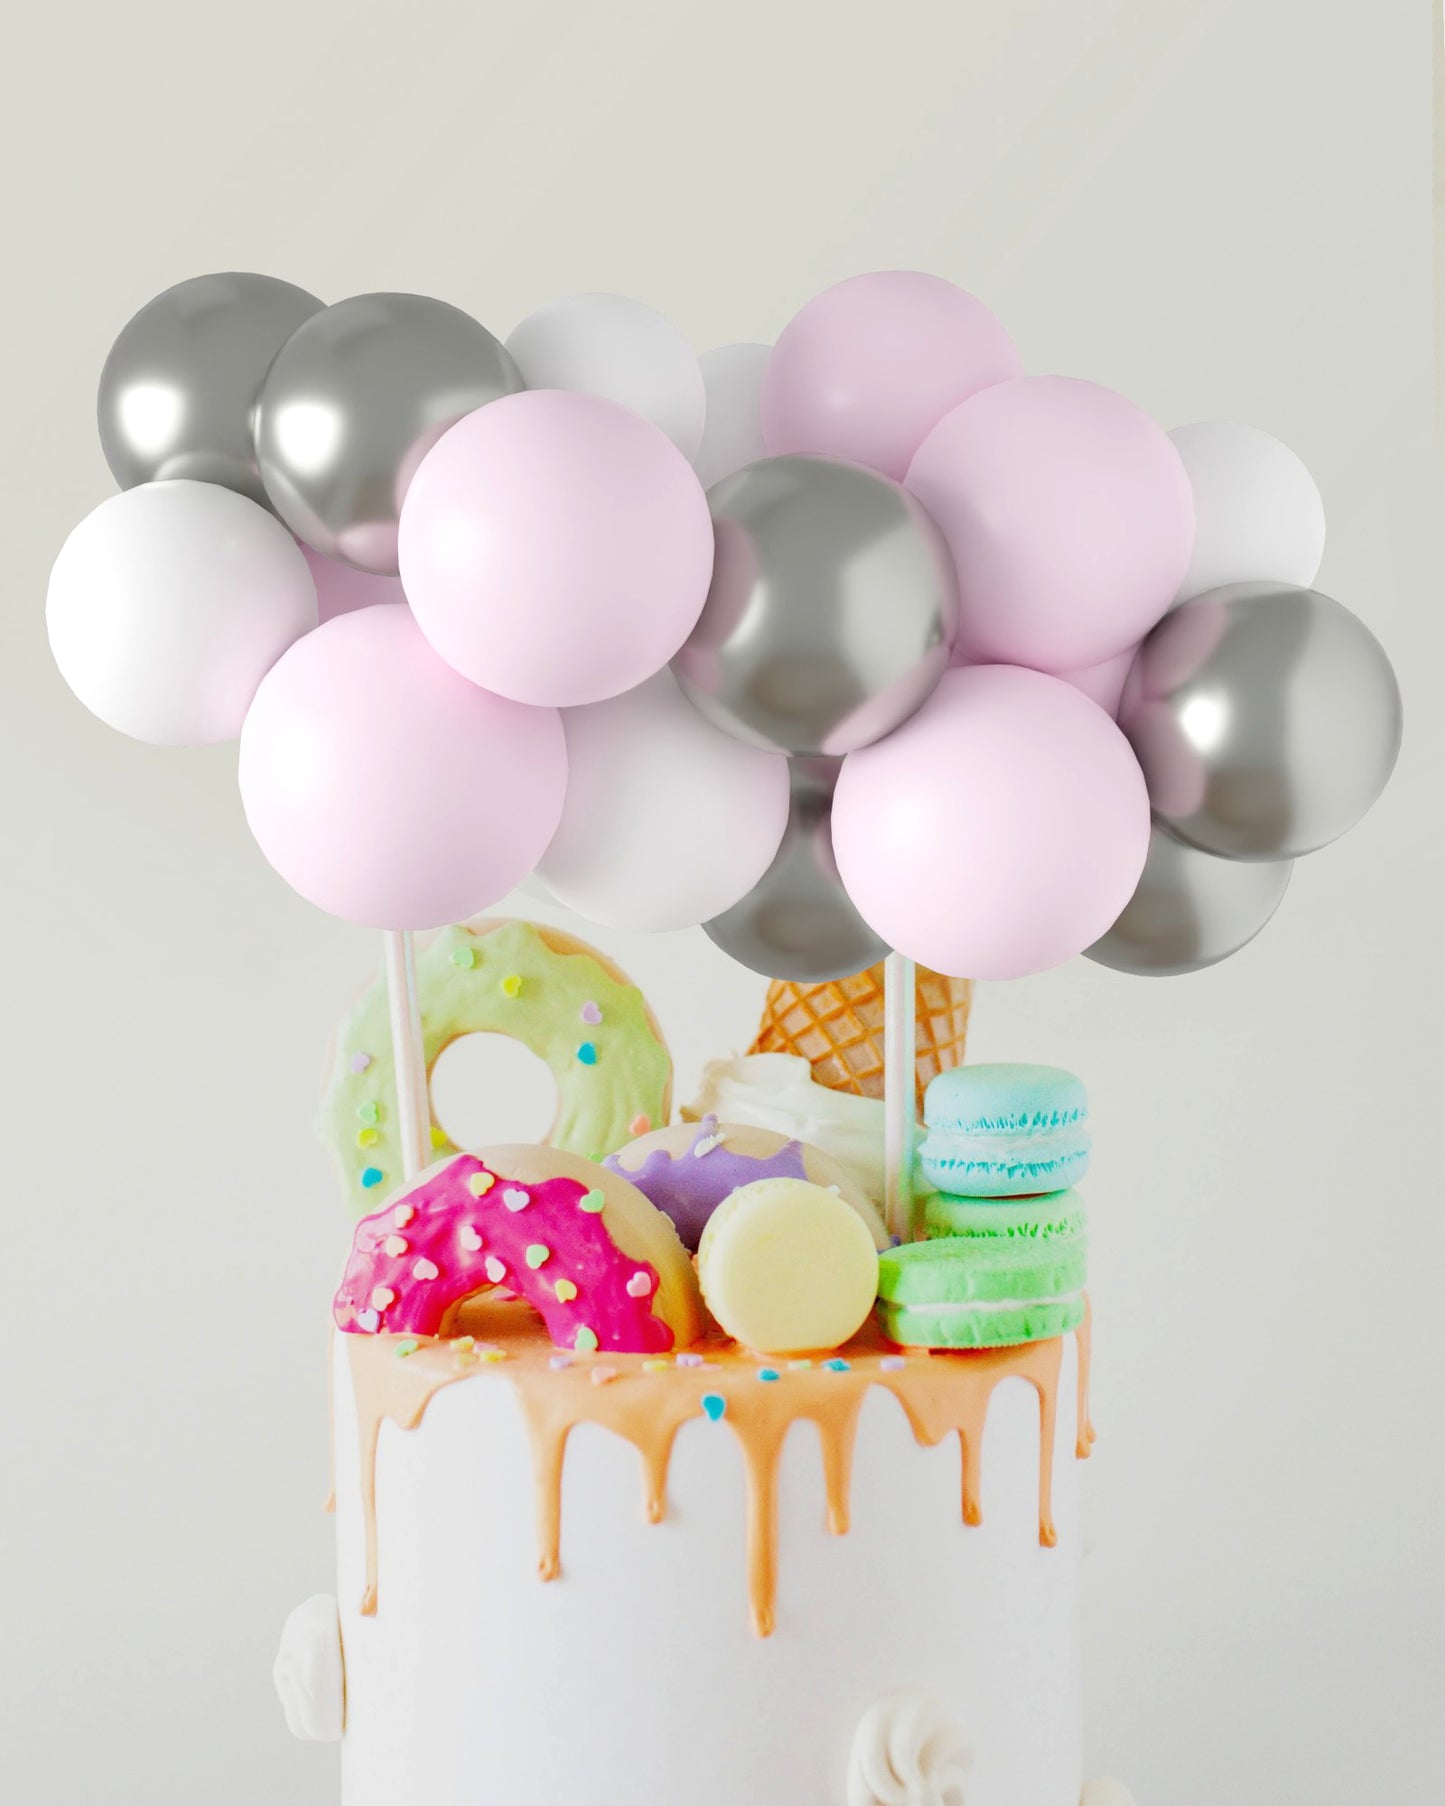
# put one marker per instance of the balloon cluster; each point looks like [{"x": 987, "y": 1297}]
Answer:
[{"x": 865, "y": 641}]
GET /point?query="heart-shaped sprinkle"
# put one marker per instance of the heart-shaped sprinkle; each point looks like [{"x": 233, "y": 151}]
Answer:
[
  {"x": 464, "y": 957},
  {"x": 836, "y": 1365},
  {"x": 479, "y": 1184},
  {"x": 601, "y": 1375},
  {"x": 395, "y": 1246},
  {"x": 382, "y": 1298},
  {"x": 640, "y": 1286},
  {"x": 367, "y": 1138},
  {"x": 512, "y": 984},
  {"x": 559, "y": 1363},
  {"x": 768, "y": 1373},
  {"x": 368, "y": 1322},
  {"x": 494, "y": 1354},
  {"x": 438, "y": 1137},
  {"x": 402, "y": 1215},
  {"x": 714, "y": 1404},
  {"x": 495, "y": 1270},
  {"x": 538, "y": 1256},
  {"x": 360, "y": 1061},
  {"x": 425, "y": 1269},
  {"x": 587, "y": 1054},
  {"x": 370, "y": 1112},
  {"x": 465, "y": 1348},
  {"x": 799, "y": 1365},
  {"x": 892, "y": 1364},
  {"x": 408, "y": 1347},
  {"x": 469, "y": 1238},
  {"x": 585, "y": 1341},
  {"x": 689, "y": 1360},
  {"x": 656, "y": 1365},
  {"x": 592, "y": 1202},
  {"x": 566, "y": 1291},
  {"x": 515, "y": 1198},
  {"x": 371, "y": 1177},
  {"x": 640, "y": 1125},
  {"x": 591, "y": 1013}
]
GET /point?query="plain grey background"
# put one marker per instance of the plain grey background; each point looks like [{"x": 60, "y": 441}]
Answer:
[{"x": 1221, "y": 207}]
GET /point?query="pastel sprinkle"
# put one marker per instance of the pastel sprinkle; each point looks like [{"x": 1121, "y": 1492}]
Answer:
[
  {"x": 370, "y": 1112},
  {"x": 367, "y": 1138},
  {"x": 538, "y": 1255},
  {"x": 640, "y": 1125},
  {"x": 465, "y": 1348},
  {"x": 640, "y": 1286},
  {"x": 464, "y": 957},
  {"x": 479, "y": 1184},
  {"x": 592, "y": 1202},
  {"x": 395, "y": 1246},
  {"x": 495, "y": 1270},
  {"x": 495, "y": 1354},
  {"x": 705, "y": 1145},
  {"x": 799, "y": 1364},
  {"x": 587, "y": 1054},
  {"x": 515, "y": 1198},
  {"x": 360, "y": 1061},
  {"x": 382, "y": 1298},
  {"x": 425, "y": 1269},
  {"x": 402, "y": 1215},
  {"x": 469, "y": 1238},
  {"x": 591, "y": 1012},
  {"x": 408, "y": 1346},
  {"x": 585, "y": 1341},
  {"x": 656, "y": 1366},
  {"x": 559, "y": 1363},
  {"x": 601, "y": 1375},
  {"x": 512, "y": 984},
  {"x": 689, "y": 1360},
  {"x": 837, "y": 1365},
  {"x": 892, "y": 1364},
  {"x": 768, "y": 1373},
  {"x": 566, "y": 1291},
  {"x": 438, "y": 1137},
  {"x": 368, "y": 1322},
  {"x": 372, "y": 1175},
  {"x": 714, "y": 1404}
]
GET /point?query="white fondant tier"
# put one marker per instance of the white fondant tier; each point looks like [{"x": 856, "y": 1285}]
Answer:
[{"x": 635, "y": 1678}]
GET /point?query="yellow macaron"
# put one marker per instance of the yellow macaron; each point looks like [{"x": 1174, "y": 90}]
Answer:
[{"x": 787, "y": 1267}]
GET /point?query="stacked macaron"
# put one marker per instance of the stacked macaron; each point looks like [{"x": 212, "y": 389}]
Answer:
[{"x": 1003, "y": 1259}]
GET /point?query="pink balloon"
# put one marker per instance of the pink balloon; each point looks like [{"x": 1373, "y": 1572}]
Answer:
[
  {"x": 999, "y": 831},
  {"x": 386, "y": 789},
  {"x": 1104, "y": 683},
  {"x": 871, "y": 365},
  {"x": 555, "y": 548},
  {"x": 1069, "y": 515},
  {"x": 341, "y": 589}
]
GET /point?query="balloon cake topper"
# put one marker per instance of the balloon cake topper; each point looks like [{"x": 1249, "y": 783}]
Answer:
[{"x": 981, "y": 667}]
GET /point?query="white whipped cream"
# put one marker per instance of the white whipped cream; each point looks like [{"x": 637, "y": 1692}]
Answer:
[
  {"x": 907, "y": 1751},
  {"x": 778, "y": 1091},
  {"x": 309, "y": 1674}
]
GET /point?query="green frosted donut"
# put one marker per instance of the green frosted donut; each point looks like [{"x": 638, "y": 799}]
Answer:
[{"x": 556, "y": 995}]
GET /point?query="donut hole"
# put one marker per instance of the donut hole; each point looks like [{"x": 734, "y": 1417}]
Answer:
[{"x": 487, "y": 1089}]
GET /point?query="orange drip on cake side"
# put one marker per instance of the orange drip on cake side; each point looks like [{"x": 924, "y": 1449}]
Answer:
[{"x": 939, "y": 1393}]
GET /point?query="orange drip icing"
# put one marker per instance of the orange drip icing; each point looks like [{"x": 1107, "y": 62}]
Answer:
[{"x": 940, "y": 1394}]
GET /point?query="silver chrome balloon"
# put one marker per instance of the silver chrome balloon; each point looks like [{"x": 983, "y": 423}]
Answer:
[
  {"x": 353, "y": 403},
  {"x": 1190, "y": 910},
  {"x": 180, "y": 383},
  {"x": 797, "y": 922},
  {"x": 832, "y": 609},
  {"x": 1266, "y": 718}
]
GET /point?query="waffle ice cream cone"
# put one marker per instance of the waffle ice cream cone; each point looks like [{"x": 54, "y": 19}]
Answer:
[{"x": 837, "y": 1027}]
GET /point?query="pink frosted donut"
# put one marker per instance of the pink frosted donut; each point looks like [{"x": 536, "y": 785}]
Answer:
[{"x": 600, "y": 1264}]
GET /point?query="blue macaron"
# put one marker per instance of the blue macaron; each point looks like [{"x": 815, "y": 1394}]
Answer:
[{"x": 1004, "y": 1131}]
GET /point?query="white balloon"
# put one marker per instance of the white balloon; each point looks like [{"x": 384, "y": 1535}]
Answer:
[
  {"x": 621, "y": 349},
  {"x": 668, "y": 820},
  {"x": 1258, "y": 515},
  {"x": 732, "y": 433},
  {"x": 168, "y": 605}
]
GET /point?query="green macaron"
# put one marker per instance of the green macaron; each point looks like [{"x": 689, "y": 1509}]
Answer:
[{"x": 991, "y": 1273}]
